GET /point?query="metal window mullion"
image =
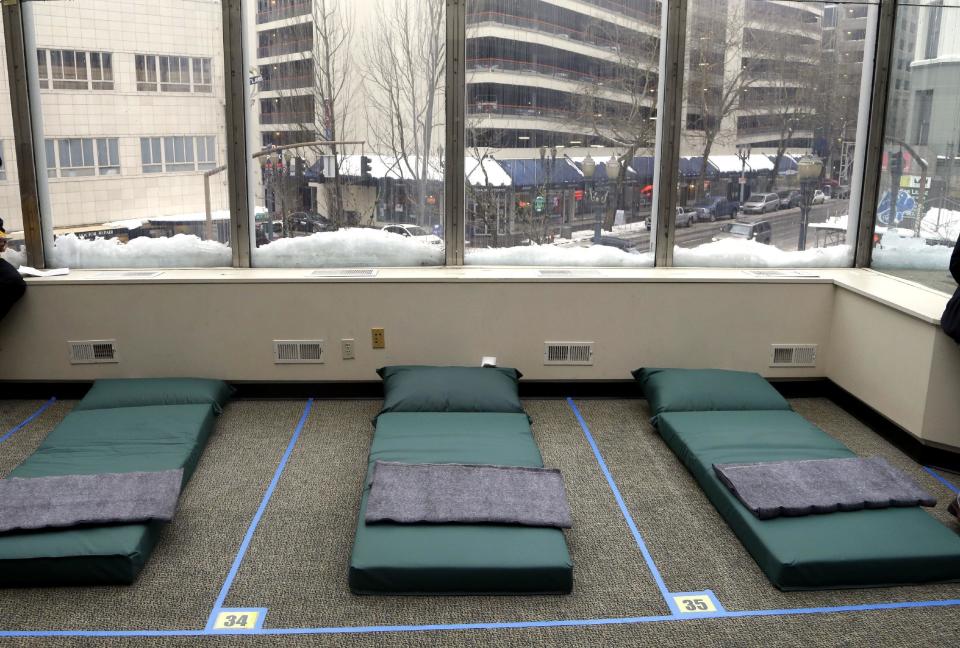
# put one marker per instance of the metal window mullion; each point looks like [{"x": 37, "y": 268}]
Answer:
[
  {"x": 235, "y": 87},
  {"x": 669, "y": 120},
  {"x": 454, "y": 180},
  {"x": 869, "y": 179},
  {"x": 25, "y": 104}
]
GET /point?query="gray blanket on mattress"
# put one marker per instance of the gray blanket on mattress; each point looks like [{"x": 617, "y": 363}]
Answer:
[
  {"x": 73, "y": 500},
  {"x": 792, "y": 488},
  {"x": 443, "y": 493}
]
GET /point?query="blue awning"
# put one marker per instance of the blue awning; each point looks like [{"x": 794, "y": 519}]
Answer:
[
  {"x": 644, "y": 166},
  {"x": 690, "y": 166},
  {"x": 535, "y": 172}
]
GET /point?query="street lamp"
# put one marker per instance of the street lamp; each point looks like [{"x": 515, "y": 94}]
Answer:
[
  {"x": 743, "y": 152},
  {"x": 589, "y": 167},
  {"x": 808, "y": 171}
]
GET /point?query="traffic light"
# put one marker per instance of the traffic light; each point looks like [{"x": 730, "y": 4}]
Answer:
[
  {"x": 364, "y": 167},
  {"x": 896, "y": 164}
]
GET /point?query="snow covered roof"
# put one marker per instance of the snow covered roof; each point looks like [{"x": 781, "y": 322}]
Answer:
[{"x": 489, "y": 174}]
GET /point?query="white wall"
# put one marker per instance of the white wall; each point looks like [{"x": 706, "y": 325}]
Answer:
[{"x": 226, "y": 330}]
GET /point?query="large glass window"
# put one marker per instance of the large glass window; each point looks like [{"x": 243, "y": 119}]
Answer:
[
  {"x": 561, "y": 127},
  {"x": 918, "y": 213},
  {"x": 771, "y": 102},
  {"x": 127, "y": 186},
  {"x": 366, "y": 76},
  {"x": 10, "y": 214}
]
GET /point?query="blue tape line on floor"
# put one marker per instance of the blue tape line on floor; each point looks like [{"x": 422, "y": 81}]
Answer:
[
  {"x": 29, "y": 419},
  {"x": 232, "y": 574},
  {"x": 623, "y": 507},
  {"x": 942, "y": 480},
  {"x": 518, "y": 625}
]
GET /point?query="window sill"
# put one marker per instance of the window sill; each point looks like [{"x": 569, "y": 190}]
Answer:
[{"x": 905, "y": 296}]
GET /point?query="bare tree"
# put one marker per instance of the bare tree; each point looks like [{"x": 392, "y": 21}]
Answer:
[
  {"x": 333, "y": 70},
  {"x": 784, "y": 103},
  {"x": 620, "y": 108},
  {"x": 406, "y": 66},
  {"x": 717, "y": 77}
]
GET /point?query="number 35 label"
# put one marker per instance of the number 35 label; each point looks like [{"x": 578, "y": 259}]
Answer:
[
  {"x": 696, "y": 603},
  {"x": 239, "y": 619}
]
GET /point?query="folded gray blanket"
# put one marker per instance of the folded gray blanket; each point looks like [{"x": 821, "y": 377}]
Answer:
[
  {"x": 410, "y": 493},
  {"x": 792, "y": 488},
  {"x": 72, "y": 500}
]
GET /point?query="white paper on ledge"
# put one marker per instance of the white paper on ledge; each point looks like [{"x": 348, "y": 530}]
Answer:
[{"x": 33, "y": 272}]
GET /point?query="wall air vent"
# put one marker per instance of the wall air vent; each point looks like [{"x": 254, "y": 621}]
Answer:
[
  {"x": 298, "y": 352},
  {"x": 793, "y": 355},
  {"x": 346, "y": 272},
  {"x": 568, "y": 353},
  {"x": 93, "y": 352},
  {"x": 129, "y": 274}
]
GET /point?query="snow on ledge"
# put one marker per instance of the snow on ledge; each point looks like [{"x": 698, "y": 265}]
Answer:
[
  {"x": 741, "y": 253},
  {"x": 180, "y": 250},
  {"x": 14, "y": 257},
  {"x": 346, "y": 248},
  {"x": 895, "y": 253},
  {"x": 603, "y": 256}
]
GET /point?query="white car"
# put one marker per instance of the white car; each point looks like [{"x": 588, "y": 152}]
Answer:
[
  {"x": 818, "y": 198},
  {"x": 414, "y": 231}
]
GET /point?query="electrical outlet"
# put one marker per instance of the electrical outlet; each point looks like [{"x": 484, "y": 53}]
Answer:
[
  {"x": 346, "y": 349},
  {"x": 379, "y": 341}
]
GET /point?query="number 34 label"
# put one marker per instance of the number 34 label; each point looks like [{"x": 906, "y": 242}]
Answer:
[
  {"x": 696, "y": 603},
  {"x": 239, "y": 619}
]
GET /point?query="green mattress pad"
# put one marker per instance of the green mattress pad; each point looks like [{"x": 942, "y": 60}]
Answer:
[
  {"x": 393, "y": 558},
  {"x": 103, "y": 441},
  {"x": 867, "y": 548}
]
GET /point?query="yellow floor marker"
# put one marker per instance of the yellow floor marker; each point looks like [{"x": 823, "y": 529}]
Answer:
[{"x": 239, "y": 619}]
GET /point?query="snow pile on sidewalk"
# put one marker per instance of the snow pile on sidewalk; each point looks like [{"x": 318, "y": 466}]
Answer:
[
  {"x": 602, "y": 256},
  {"x": 180, "y": 251},
  {"x": 741, "y": 253},
  {"x": 895, "y": 252},
  {"x": 14, "y": 257},
  {"x": 353, "y": 247},
  {"x": 941, "y": 226}
]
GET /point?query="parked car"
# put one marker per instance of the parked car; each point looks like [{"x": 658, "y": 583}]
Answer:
[
  {"x": 715, "y": 208},
  {"x": 686, "y": 216},
  {"x": 818, "y": 198},
  {"x": 415, "y": 231},
  {"x": 761, "y": 232},
  {"x": 761, "y": 203},
  {"x": 789, "y": 198}
]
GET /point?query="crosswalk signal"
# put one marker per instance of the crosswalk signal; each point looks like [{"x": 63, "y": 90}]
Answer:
[{"x": 364, "y": 167}]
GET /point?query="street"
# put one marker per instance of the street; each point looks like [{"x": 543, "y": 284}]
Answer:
[{"x": 784, "y": 223}]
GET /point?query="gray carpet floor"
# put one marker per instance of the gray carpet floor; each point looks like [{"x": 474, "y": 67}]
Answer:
[{"x": 296, "y": 565}]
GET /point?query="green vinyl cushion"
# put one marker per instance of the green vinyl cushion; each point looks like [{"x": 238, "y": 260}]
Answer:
[
  {"x": 137, "y": 392},
  {"x": 866, "y": 548},
  {"x": 393, "y": 558},
  {"x": 702, "y": 390},
  {"x": 450, "y": 389},
  {"x": 102, "y": 441}
]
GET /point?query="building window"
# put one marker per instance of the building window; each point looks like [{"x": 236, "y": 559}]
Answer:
[
  {"x": 146, "y": 72},
  {"x": 924, "y": 108},
  {"x": 108, "y": 156},
  {"x": 42, "y": 70},
  {"x": 933, "y": 33},
  {"x": 178, "y": 154},
  {"x": 51, "y": 152},
  {"x": 202, "y": 78},
  {"x": 150, "y": 156},
  {"x": 174, "y": 73},
  {"x": 69, "y": 69},
  {"x": 101, "y": 70},
  {"x": 206, "y": 153},
  {"x": 76, "y": 157}
]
